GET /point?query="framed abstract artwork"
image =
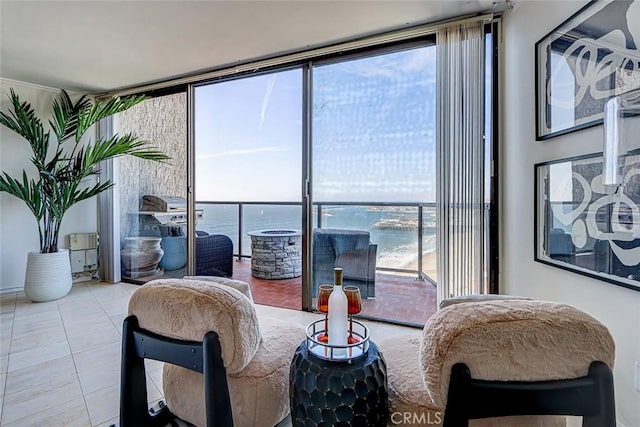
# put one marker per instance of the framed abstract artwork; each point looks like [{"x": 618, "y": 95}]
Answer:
[
  {"x": 592, "y": 56},
  {"x": 584, "y": 226}
]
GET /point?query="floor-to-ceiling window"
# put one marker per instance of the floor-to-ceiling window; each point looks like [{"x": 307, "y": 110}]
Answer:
[{"x": 337, "y": 151}]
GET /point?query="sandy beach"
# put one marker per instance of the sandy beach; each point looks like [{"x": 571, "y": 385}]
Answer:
[{"x": 429, "y": 264}]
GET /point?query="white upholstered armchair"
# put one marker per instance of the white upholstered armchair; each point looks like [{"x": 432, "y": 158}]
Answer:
[
  {"x": 508, "y": 357},
  {"x": 222, "y": 365}
]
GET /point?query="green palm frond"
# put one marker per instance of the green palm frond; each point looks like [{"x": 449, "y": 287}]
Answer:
[
  {"x": 62, "y": 172},
  {"x": 65, "y": 115},
  {"x": 87, "y": 117},
  {"x": 29, "y": 191},
  {"x": 23, "y": 121}
]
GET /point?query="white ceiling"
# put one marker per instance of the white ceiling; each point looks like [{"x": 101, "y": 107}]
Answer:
[{"x": 95, "y": 46}]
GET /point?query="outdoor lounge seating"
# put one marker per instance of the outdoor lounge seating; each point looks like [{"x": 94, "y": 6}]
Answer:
[
  {"x": 214, "y": 252},
  {"x": 350, "y": 250},
  {"x": 221, "y": 365},
  {"x": 503, "y": 358}
]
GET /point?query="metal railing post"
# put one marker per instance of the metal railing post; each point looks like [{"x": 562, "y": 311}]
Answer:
[
  {"x": 419, "y": 270},
  {"x": 420, "y": 235},
  {"x": 240, "y": 213}
]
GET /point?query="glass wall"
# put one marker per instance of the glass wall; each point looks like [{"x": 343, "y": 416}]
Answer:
[
  {"x": 152, "y": 195},
  {"x": 368, "y": 127},
  {"x": 248, "y": 173},
  {"x": 373, "y": 157},
  {"x": 248, "y": 136}
]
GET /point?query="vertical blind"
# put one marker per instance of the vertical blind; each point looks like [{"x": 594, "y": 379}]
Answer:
[{"x": 459, "y": 159}]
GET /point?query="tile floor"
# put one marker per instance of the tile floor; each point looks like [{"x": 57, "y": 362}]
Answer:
[{"x": 60, "y": 360}]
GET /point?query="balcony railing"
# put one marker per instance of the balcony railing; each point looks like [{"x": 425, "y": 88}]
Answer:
[{"x": 404, "y": 232}]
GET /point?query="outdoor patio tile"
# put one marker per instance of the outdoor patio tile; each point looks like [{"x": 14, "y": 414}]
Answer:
[
  {"x": 32, "y": 376},
  {"x": 52, "y": 394}
]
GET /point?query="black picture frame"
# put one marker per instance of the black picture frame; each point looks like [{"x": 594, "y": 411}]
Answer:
[
  {"x": 590, "y": 57},
  {"x": 585, "y": 227}
]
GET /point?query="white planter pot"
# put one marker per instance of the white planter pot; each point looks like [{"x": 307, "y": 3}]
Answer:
[{"x": 48, "y": 276}]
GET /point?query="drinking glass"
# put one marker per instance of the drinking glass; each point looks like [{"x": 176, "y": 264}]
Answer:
[
  {"x": 323, "y": 306},
  {"x": 354, "y": 306}
]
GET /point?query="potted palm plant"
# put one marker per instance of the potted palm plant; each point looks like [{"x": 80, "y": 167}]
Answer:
[{"x": 65, "y": 174}]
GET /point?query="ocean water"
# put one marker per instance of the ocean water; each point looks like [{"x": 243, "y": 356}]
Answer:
[{"x": 397, "y": 248}]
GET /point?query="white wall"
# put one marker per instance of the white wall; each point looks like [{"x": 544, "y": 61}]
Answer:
[
  {"x": 18, "y": 229},
  {"x": 618, "y": 308}
]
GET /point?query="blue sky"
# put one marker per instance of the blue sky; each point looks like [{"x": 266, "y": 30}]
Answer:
[{"x": 373, "y": 133}]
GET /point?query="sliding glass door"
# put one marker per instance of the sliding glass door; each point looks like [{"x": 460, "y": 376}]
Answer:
[
  {"x": 248, "y": 174},
  {"x": 330, "y": 162},
  {"x": 373, "y": 151}
]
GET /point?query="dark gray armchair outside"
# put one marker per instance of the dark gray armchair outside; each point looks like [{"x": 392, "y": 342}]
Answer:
[
  {"x": 350, "y": 250},
  {"x": 214, "y": 254}
]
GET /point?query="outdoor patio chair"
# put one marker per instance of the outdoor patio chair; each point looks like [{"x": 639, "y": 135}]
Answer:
[
  {"x": 214, "y": 254},
  {"x": 350, "y": 250},
  {"x": 503, "y": 363}
]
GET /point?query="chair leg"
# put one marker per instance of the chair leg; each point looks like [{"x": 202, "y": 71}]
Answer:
[
  {"x": 216, "y": 388},
  {"x": 607, "y": 414},
  {"x": 134, "y": 410},
  {"x": 133, "y": 386},
  {"x": 455, "y": 414}
]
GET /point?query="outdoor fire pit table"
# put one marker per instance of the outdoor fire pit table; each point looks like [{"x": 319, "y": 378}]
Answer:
[{"x": 276, "y": 254}]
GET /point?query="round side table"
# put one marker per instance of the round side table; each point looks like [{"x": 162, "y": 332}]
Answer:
[{"x": 329, "y": 393}]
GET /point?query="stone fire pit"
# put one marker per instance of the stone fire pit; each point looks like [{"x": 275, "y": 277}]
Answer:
[{"x": 276, "y": 254}]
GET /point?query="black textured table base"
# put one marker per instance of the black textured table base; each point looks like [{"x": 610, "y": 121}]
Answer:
[{"x": 326, "y": 393}]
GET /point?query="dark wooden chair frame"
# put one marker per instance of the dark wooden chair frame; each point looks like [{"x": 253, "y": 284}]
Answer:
[
  {"x": 204, "y": 357},
  {"x": 591, "y": 397}
]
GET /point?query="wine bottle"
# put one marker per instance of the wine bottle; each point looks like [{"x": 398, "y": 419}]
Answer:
[{"x": 338, "y": 327}]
